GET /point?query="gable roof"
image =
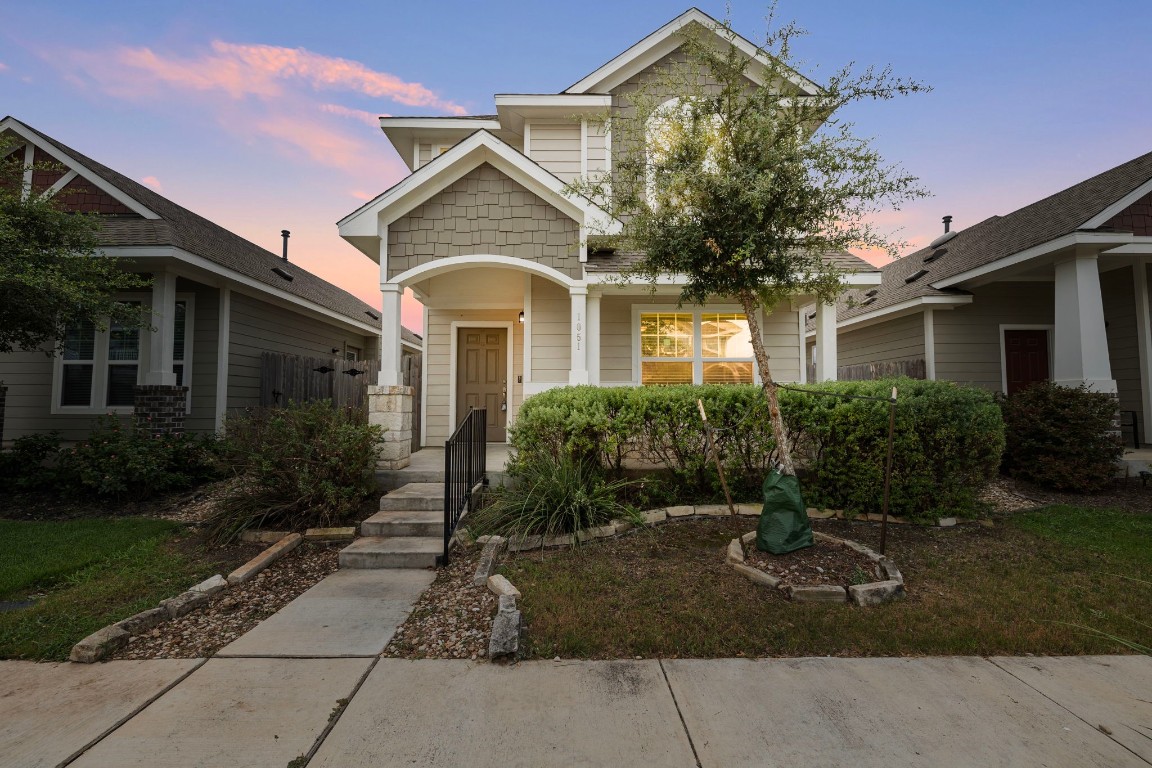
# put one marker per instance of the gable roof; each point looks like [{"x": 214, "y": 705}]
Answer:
[
  {"x": 179, "y": 227},
  {"x": 662, "y": 42},
  {"x": 1000, "y": 237},
  {"x": 620, "y": 261}
]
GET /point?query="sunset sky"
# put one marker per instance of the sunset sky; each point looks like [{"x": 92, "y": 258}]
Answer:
[{"x": 262, "y": 115}]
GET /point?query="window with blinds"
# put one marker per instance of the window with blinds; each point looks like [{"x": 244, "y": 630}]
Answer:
[{"x": 695, "y": 347}]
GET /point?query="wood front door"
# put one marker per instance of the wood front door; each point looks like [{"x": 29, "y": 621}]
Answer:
[
  {"x": 482, "y": 377},
  {"x": 1025, "y": 358}
]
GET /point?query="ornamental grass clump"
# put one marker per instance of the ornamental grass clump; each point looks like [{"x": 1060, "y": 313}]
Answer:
[
  {"x": 309, "y": 465},
  {"x": 552, "y": 496}
]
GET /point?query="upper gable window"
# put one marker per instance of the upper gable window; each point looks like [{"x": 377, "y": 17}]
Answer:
[{"x": 667, "y": 130}]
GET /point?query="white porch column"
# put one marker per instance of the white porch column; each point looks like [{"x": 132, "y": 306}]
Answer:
[
  {"x": 162, "y": 340},
  {"x": 1144, "y": 344},
  {"x": 594, "y": 338},
  {"x": 390, "y": 375},
  {"x": 578, "y": 372},
  {"x": 929, "y": 345},
  {"x": 1081, "y": 343},
  {"x": 825, "y": 342}
]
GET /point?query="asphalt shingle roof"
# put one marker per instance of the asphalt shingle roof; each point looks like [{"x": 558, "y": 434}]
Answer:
[
  {"x": 618, "y": 261},
  {"x": 998, "y": 237}
]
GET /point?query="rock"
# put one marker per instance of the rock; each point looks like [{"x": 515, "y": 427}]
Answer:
[
  {"x": 330, "y": 534},
  {"x": 681, "y": 511},
  {"x": 817, "y": 514},
  {"x": 500, "y": 586},
  {"x": 463, "y": 537},
  {"x": 505, "y": 640},
  {"x": 521, "y": 543},
  {"x": 890, "y": 571},
  {"x": 946, "y": 522},
  {"x": 756, "y": 575},
  {"x": 749, "y": 537},
  {"x": 560, "y": 540},
  {"x": 211, "y": 586},
  {"x": 489, "y": 556},
  {"x": 735, "y": 551},
  {"x": 144, "y": 621},
  {"x": 184, "y": 603},
  {"x": 713, "y": 510},
  {"x": 821, "y": 593},
  {"x": 749, "y": 510},
  {"x": 987, "y": 523},
  {"x": 250, "y": 569},
  {"x": 876, "y": 593},
  {"x": 99, "y": 645},
  {"x": 622, "y": 525},
  {"x": 654, "y": 516}
]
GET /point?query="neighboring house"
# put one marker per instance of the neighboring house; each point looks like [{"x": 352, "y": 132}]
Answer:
[
  {"x": 492, "y": 243},
  {"x": 219, "y": 302},
  {"x": 1058, "y": 290}
]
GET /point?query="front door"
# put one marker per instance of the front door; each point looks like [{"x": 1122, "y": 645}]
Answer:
[
  {"x": 1025, "y": 358},
  {"x": 482, "y": 377}
]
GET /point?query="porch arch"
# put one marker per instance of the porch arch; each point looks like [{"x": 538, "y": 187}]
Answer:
[{"x": 455, "y": 263}]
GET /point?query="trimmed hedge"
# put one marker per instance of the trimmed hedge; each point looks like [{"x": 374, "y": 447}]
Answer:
[{"x": 948, "y": 439}]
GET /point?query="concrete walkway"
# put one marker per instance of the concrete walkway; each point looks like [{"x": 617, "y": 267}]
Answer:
[{"x": 1088, "y": 711}]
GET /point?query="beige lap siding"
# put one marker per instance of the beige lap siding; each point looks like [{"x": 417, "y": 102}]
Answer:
[
  {"x": 1123, "y": 341},
  {"x": 968, "y": 338},
  {"x": 205, "y": 332},
  {"x": 551, "y": 337},
  {"x": 439, "y": 365},
  {"x": 885, "y": 342},
  {"x": 258, "y": 326},
  {"x": 484, "y": 212},
  {"x": 556, "y": 148}
]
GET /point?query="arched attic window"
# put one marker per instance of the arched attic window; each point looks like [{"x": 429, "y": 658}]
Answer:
[{"x": 675, "y": 141}]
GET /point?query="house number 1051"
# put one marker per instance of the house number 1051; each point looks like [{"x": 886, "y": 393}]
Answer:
[{"x": 579, "y": 335}]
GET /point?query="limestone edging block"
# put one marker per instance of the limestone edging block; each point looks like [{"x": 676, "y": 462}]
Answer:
[
  {"x": 99, "y": 645},
  {"x": 249, "y": 570}
]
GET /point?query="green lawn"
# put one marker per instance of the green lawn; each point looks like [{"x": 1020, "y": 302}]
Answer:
[
  {"x": 1031, "y": 584},
  {"x": 85, "y": 574}
]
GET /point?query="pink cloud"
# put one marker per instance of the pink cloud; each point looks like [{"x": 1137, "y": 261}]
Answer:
[
  {"x": 3, "y": 67},
  {"x": 368, "y": 118},
  {"x": 153, "y": 182}
]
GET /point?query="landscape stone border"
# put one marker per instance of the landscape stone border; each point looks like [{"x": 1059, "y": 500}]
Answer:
[
  {"x": 889, "y": 587},
  {"x": 104, "y": 642}
]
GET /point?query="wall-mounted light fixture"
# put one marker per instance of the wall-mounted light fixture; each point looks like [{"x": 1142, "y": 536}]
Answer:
[{"x": 521, "y": 316}]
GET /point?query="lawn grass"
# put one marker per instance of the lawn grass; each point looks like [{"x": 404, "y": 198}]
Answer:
[
  {"x": 86, "y": 574},
  {"x": 1031, "y": 584}
]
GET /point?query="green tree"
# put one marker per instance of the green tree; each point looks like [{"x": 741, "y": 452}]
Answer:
[
  {"x": 743, "y": 183},
  {"x": 51, "y": 274}
]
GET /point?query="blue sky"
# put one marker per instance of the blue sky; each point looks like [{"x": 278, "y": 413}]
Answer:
[{"x": 258, "y": 115}]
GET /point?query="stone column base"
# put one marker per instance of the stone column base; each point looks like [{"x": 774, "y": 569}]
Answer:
[
  {"x": 390, "y": 407},
  {"x": 160, "y": 408}
]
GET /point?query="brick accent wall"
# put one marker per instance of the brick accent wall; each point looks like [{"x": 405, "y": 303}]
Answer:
[
  {"x": 484, "y": 212},
  {"x": 160, "y": 408},
  {"x": 1136, "y": 218}
]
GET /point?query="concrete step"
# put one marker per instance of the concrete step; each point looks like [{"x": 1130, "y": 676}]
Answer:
[
  {"x": 414, "y": 497},
  {"x": 427, "y": 522},
  {"x": 392, "y": 552},
  {"x": 391, "y": 479}
]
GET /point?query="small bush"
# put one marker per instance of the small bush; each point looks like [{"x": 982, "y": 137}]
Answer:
[
  {"x": 126, "y": 462},
  {"x": 31, "y": 463},
  {"x": 948, "y": 439},
  {"x": 1061, "y": 437},
  {"x": 307, "y": 465},
  {"x": 551, "y": 496}
]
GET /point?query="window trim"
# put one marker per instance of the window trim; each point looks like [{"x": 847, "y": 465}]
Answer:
[
  {"x": 697, "y": 358},
  {"x": 100, "y": 363}
]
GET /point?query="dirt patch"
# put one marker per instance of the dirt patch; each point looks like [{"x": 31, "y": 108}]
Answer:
[
  {"x": 452, "y": 620},
  {"x": 824, "y": 562}
]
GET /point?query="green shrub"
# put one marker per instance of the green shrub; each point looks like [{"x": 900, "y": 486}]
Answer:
[
  {"x": 127, "y": 462},
  {"x": 1061, "y": 437},
  {"x": 31, "y": 463},
  {"x": 304, "y": 466},
  {"x": 948, "y": 439},
  {"x": 551, "y": 496}
]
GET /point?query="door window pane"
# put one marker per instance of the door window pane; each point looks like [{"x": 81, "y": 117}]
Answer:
[
  {"x": 725, "y": 335},
  {"x": 76, "y": 385}
]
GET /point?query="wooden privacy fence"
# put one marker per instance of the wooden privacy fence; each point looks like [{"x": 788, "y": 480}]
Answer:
[
  {"x": 292, "y": 378},
  {"x": 913, "y": 369}
]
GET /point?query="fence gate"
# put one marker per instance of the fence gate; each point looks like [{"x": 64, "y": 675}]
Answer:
[
  {"x": 913, "y": 369},
  {"x": 291, "y": 378},
  {"x": 410, "y": 371}
]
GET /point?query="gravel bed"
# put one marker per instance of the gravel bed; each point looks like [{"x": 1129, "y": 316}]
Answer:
[
  {"x": 824, "y": 562},
  {"x": 452, "y": 620},
  {"x": 1005, "y": 495},
  {"x": 237, "y": 609}
]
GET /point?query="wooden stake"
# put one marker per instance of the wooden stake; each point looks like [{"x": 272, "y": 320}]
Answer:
[{"x": 719, "y": 468}]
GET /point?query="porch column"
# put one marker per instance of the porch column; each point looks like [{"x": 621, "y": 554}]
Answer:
[
  {"x": 1144, "y": 344},
  {"x": 390, "y": 374},
  {"x": 162, "y": 341},
  {"x": 578, "y": 372},
  {"x": 594, "y": 338},
  {"x": 1080, "y": 340},
  {"x": 825, "y": 342}
]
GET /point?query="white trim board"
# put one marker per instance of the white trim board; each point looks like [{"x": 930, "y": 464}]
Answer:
[
  {"x": 1051, "y": 329},
  {"x": 1052, "y": 246},
  {"x": 1117, "y": 207},
  {"x": 453, "y": 370},
  {"x": 223, "y": 342}
]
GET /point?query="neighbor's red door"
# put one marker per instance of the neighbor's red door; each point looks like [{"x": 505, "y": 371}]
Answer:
[{"x": 1025, "y": 358}]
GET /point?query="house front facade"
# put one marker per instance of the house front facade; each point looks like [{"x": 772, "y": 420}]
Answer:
[{"x": 495, "y": 245}]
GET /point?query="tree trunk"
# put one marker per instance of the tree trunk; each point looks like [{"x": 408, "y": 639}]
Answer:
[{"x": 783, "y": 445}]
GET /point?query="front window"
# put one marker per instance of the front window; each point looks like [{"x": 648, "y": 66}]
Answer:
[{"x": 694, "y": 348}]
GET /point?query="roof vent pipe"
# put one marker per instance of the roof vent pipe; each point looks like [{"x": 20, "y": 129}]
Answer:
[
  {"x": 285, "y": 234},
  {"x": 947, "y": 224}
]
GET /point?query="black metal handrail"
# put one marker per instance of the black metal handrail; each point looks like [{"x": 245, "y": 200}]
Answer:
[{"x": 465, "y": 459}]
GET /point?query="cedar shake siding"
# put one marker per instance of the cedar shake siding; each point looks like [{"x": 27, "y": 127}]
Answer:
[
  {"x": 484, "y": 212},
  {"x": 1136, "y": 218}
]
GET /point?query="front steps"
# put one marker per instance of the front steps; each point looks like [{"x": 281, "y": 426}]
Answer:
[{"x": 407, "y": 532}]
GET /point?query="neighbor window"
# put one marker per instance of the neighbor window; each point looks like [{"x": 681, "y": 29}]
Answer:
[
  {"x": 694, "y": 348},
  {"x": 98, "y": 370}
]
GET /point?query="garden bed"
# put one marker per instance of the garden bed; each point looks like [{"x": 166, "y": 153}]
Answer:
[{"x": 823, "y": 563}]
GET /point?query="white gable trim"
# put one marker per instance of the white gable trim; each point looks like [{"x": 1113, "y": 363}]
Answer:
[
  {"x": 898, "y": 310},
  {"x": 1099, "y": 219},
  {"x": 662, "y": 42},
  {"x": 481, "y": 147},
  {"x": 21, "y": 130},
  {"x": 454, "y": 263},
  {"x": 1060, "y": 243}
]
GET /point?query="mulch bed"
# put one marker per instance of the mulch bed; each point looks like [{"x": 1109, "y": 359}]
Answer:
[{"x": 823, "y": 563}]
